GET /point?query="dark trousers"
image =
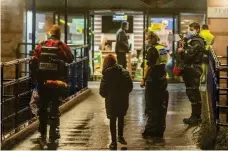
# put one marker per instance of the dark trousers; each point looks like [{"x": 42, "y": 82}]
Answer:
[
  {"x": 113, "y": 127},
  {"x": 156, "y": 103},
  {"x": 48, "y": 97},
  {"x": 191, "y": 77},
  {"x": 121, "y": 59}
]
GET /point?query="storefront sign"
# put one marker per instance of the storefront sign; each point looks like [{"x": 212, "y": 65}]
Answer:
[
  {"x": 217, "y": 12},
  {"x": 156, "y": 26}
]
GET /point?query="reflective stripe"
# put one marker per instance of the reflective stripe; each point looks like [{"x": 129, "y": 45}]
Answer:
[{"x": 163, "y": 55}]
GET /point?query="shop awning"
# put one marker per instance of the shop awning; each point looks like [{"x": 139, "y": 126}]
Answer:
[{"x": 143, "y": 5}]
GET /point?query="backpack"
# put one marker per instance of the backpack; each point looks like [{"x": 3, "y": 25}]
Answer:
[{"x": 51, "y": 65}]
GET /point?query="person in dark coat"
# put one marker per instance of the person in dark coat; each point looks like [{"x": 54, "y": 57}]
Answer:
[
  {"x": 122, "y": 45},
  {"x": 116, "y": 84},
  {"x": 192, "y": 54}
]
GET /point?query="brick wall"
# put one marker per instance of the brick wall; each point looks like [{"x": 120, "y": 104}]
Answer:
[{"x": 12, "y": 22}]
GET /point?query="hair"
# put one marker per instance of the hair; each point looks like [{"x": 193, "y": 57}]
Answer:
[
  {"x": 153, "y": 35},
  {"x": 124, "y": 24},
  {"x": 205, "y": 27},
  {"x": 55, "y": 30},
  {"x": 195, "y": 25},
  {"x": 109, "y": 60}
]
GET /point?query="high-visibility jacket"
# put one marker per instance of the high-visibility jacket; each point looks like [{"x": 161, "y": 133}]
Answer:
[
  {"x": 163, "y": 55},
  {"x": 209, "y": 38}
]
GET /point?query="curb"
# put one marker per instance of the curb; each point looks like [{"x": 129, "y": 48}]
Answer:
[{"x": 14, "y": 139}]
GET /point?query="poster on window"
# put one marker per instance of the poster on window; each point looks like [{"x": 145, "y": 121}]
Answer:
[
  {"x": 97, "y": 63},
  {"x": 163, "y": 27}
]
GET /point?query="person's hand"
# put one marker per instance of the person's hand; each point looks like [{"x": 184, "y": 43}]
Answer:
[{"x": 142, "y": 84}]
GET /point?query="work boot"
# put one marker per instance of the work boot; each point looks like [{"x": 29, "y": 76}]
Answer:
[
  {"x": 121, "y": 140},
  {"x": 196, "y": 115},
  {"x": 54, "y": 132},
  {"x": 113, "y": 146},
  {"x": 42, "y": 141}
]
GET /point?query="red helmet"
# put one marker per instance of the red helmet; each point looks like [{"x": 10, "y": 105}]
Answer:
[{"x": 176, "y": 71}]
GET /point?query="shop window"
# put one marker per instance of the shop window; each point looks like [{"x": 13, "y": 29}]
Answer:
[
  {"x": 43, "y": 25},
  {"x": 163, "y": 27},
  {"x": 188, "y": 18},
  {"x": 75, "y": 29}
]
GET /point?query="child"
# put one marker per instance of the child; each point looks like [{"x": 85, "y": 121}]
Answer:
[{"x": 116, "y": 84}]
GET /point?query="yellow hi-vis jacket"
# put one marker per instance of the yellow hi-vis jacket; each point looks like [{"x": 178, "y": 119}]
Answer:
[{"x": 206, "y": 34}]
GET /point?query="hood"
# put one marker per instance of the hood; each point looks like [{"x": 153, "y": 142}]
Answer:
[{"x": 112, "y": 70}]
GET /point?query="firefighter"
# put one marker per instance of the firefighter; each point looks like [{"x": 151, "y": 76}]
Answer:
[
  {"x": 156, "y": 94},
  {"x": 50, "y": 84},
  {"x": 192, "y": 54}
]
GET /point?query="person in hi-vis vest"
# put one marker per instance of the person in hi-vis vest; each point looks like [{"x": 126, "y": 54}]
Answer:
[
  {"x": 209, "y": 38},
  {"x": 156, "y": 94}
]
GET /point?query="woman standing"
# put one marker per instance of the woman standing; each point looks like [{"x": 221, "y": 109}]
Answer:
[
  {"x": 156, "y": 95},
  {"x": 116, "y": 84}
]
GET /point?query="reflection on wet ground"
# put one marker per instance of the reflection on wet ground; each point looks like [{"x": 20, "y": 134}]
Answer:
[{"x": 86, "y": 125}]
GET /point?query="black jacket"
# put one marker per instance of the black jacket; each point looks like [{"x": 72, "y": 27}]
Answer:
[
  {"x": 194, "y": 50},
  {"x": 121, "y": 41},
  {"x": 116, "y": 84}
]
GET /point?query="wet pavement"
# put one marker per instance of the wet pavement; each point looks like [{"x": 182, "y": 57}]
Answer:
[{"x": 86, "y": 126}]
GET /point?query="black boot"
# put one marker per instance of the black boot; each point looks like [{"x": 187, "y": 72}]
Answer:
[
  {"x": 121, "y": 139},
  {"x": 42, "y": 141},
  {"x": 54, "y": 133},
  {"x": 113, "y": 146},
  {"x": 195, "y": 118}
]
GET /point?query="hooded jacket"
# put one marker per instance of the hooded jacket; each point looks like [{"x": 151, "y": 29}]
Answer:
[{"x": 116, "y": 84}]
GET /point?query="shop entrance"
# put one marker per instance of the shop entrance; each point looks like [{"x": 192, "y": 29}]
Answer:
[
  {"x": 106, "y": 24},
  {"x": 166, "y": 27}
]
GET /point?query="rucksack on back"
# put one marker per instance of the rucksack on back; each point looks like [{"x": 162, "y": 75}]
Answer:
[{"x": 51, "y": 65}]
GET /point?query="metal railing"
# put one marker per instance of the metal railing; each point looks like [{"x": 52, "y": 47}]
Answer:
[
  {"x": 16, "y": 92},
  {"x": 215, "y": 89}
]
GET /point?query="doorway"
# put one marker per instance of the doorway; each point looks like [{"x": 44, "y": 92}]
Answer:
[{"x": 166, "y": 27}]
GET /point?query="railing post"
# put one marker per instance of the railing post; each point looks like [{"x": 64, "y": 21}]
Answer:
[
  {"x": 86, "y": 67},
  {"x": 33, "y": 24},
  {"x": 227, "y": 81},
  {"x": 217, "y": 97},
  {"x": 66, "y": 20},
  {"x": 81, "y": 53},
  {"x": 2, "y": 79},
  {"x": 16, "y": 89}
]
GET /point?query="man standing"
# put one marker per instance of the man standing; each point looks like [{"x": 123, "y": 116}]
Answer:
[
  {"x": 192, "y": 57},
  {"x": 206, "y": 34},
  {"x": 50, "y": 80},
  {"x": 122, "y": 46}
]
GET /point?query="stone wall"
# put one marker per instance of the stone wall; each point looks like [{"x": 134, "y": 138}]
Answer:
[{"x": 12, "y": 22}]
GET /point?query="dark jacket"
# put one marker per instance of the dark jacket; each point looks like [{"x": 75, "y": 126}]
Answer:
[
  {"x": 121, "y": 41},
  {"x": 116, "y": 84},
  {"x": 194, "y": 50},
  {"x": 63, "y": 51}
]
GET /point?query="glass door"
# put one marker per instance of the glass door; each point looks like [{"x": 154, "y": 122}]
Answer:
[{"x": 166, "y": 27}]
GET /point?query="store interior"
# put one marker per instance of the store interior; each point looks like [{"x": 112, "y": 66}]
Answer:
[{"x": 104, "y": 27}]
